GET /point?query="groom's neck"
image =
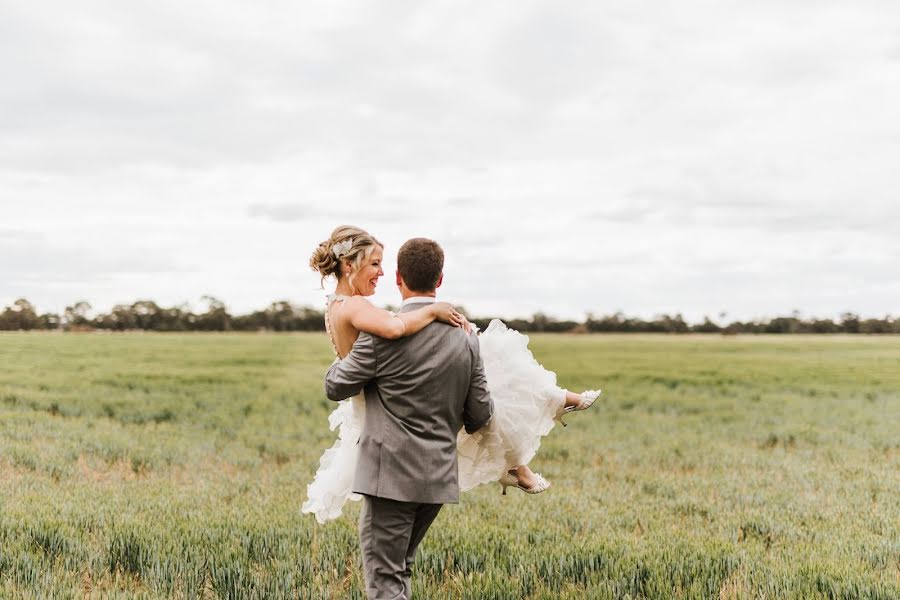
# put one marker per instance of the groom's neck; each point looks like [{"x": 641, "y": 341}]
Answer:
[{"x": 407, "y": 294}]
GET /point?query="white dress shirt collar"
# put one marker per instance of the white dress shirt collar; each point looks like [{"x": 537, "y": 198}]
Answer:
[{"x": 418, "y": 300}]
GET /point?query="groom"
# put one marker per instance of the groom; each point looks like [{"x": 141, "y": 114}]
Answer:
[{"x": 420, "y": 390}]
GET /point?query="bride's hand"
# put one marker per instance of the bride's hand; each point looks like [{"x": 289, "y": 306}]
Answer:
[{"x": 445, "y": 312}]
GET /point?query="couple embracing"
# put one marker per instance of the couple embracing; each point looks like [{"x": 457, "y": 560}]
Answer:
[{"x": 427, "y": 407}]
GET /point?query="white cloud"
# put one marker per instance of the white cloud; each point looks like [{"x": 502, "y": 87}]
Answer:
[{"x": 696, "y": 157}]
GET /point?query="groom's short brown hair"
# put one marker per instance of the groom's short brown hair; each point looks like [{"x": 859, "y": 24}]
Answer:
[{"x": 420, "y": 263}]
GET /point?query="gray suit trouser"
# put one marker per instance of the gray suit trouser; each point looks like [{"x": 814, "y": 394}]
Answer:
[{"x": 389, "y": 534}]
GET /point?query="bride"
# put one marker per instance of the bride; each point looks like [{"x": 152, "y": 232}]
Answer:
[{"x": 525, "y": 395}]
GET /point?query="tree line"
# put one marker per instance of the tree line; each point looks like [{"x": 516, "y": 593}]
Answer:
[{"x": 146, "y": 315}]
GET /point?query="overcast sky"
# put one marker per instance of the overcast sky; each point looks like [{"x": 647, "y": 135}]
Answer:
[{"x": 650, "y": 157}]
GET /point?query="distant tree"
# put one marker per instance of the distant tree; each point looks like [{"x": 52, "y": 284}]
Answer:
[
  {"x": 216, "y": 317},
  {"x": 254, "y": 321},
  {"x": 122, "y": 318},
  {"x": 309, "y": 319},
  {"x": 782, "y": 325},
  {"x": 176, "y": 318},
  {"x": 885, "y": 325},
  {"x": 49, "y": 321},
  {"x": 823, "y": 326},
  {"x": 566, "y": 326},
  {"x": 145, "y": 314},
  {"x": 77, "y": 315},
  {"x": 280, "y": 316},
  {"x": 285, "y": 316},
  {"x": 674, "y": 324},
  {"x": 610, "y": 323},
  {"x": 706, "y": 326},
  {"x": 539, "y": 322},
  {"x": 20, "y": 316},
  {"x": 850, "y": 323}
]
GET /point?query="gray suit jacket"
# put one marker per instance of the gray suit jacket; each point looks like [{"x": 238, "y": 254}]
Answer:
[{"x": 420, "y": 391}]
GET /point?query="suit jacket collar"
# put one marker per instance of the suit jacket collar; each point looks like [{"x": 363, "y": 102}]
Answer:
[{"x": 416, "y": 302}]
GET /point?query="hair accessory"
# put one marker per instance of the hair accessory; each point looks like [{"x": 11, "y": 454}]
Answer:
[{"x": 343, "y": 248}]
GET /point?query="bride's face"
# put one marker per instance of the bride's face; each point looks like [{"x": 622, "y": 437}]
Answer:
[{"x": 366, "y": 279}]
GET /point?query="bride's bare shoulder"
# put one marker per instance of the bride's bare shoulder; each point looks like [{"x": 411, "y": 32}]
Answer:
[{"x": 357, "y": 303}]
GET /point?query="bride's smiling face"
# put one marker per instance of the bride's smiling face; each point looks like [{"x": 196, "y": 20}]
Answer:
[{"x": 366, "y": 278}]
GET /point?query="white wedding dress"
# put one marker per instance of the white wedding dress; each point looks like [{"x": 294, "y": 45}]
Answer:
[{"x": 526, "y": 399}]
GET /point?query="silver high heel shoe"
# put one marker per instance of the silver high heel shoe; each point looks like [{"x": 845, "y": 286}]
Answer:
[
  {"x": 510, "y": 480},
  {"x": 587, "y": 399}
]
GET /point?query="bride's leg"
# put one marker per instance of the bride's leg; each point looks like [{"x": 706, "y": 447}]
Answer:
[
  {"x": 518, "y": 453},
  {"x": 519, "y": 457}
]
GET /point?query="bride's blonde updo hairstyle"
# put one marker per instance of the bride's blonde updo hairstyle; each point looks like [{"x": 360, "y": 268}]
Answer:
[{"x": 346, "y": 243}]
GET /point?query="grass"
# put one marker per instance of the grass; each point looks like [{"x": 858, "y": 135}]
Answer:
[{"x": 160, "y": 466}]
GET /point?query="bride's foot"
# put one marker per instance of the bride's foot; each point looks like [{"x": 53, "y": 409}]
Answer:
[
  {"x": 581, "y": 401},
  {"x": 574, "y": 402},
  {"x": 525, "y": 479}
]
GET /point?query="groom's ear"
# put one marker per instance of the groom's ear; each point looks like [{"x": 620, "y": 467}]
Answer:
[
  {"x": 440, "y": 281},
  {"x": 399, "y": 279}
]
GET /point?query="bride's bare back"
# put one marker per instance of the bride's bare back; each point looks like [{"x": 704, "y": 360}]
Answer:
[{"x": 340, "y": 326}]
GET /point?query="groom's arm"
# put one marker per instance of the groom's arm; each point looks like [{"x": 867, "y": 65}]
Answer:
[
  {"x": 350, "y": 375},
  {"x": 479, "y": 407}
]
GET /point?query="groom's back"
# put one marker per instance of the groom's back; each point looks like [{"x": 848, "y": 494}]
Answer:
[{"x": 426, "y": 387}]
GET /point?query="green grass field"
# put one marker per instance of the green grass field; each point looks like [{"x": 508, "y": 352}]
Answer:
[{"x": 167, "y": 465}]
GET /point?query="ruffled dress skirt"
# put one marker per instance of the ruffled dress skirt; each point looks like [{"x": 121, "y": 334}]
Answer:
[
  {"x": 331, "y": 487},
  {"x": 526, "y": 400}
]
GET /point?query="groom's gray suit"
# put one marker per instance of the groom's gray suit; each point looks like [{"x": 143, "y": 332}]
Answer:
[{"x": 420, "y": 391}]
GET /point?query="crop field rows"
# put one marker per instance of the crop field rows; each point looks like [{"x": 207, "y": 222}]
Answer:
[{"x": 174, "y": 466}]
